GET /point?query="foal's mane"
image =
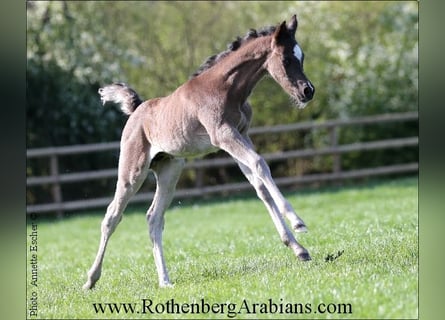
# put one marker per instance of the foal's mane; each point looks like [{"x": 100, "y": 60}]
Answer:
[{"x": 233, "y": 46}]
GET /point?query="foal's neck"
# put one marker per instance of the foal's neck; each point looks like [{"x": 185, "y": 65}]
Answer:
[{"x": 243, "y": 68}]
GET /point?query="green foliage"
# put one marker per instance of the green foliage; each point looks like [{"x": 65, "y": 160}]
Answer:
[
  {"x": 64, "y": 111},
  {"x": 361, "y": 56},
  {"x": 229, "y": 251},
  {"x": 366, "y": 67}
]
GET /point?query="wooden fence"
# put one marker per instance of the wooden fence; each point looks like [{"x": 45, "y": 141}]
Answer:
[{"x": 56, "y": 179}]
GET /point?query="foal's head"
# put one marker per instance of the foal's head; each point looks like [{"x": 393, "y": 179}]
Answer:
[{"x": 285, "y": 64}]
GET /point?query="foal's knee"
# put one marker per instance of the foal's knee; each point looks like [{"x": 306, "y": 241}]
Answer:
[{"x": 261, "y": 168}]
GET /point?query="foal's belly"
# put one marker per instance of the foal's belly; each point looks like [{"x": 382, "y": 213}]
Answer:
[
  {"x": 186, "y": 145},
  {"x": 200, "y": 147}
]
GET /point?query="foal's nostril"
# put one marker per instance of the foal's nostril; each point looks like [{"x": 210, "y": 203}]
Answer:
[{"x": 308, "y": 91}]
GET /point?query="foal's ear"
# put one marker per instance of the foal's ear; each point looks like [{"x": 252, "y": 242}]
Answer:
[
  {"x": 292, "y": 25},
  {"x": 281, "y": 34}
]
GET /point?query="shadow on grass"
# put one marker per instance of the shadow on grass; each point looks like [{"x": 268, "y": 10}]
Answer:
[{"x": 231, "y": 268}]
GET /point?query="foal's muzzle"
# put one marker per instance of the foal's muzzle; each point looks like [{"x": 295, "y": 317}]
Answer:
[{"x": 306, "y": 91}]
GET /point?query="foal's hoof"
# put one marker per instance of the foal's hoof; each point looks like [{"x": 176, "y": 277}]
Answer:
[
  {"x": 300, "y": 228},
  {"x": 304, "y": 256},
  {"x": 88, "y": 285},
  {"x": 166, "y": 285}
]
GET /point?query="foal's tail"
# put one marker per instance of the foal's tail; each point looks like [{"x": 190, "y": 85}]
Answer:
[{"x": 121, "y": 94}]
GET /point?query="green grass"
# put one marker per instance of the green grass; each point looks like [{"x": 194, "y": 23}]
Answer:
[{"x": 229, "y": 251}]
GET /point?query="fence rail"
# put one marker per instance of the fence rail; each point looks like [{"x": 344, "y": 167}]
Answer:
[{"x": 56, "y": 179}]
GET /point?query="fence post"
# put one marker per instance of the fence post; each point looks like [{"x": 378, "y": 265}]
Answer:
[
  {"x": 55, "y": 188},
  {"x": 199, "y": 178},
  {"x": 336, "y": 160}
]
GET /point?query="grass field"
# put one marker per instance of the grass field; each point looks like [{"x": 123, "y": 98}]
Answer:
[{"x": 228, "y": 255}]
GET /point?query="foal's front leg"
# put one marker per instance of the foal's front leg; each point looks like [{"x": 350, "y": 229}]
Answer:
[
  {"x": 258, "y": 173},
  {"x": 273, "y": 193}
]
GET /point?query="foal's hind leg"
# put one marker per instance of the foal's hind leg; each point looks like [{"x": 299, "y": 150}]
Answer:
[
  {"x": 167, "y": 171},
  {"x": 133, "y": 169}
]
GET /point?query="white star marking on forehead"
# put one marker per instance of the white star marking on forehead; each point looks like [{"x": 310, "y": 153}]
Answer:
[{"x": 297, "y": 52}]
